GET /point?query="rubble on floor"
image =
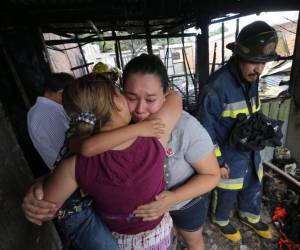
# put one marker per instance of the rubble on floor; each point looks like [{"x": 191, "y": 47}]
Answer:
[
  {"x": 277, "y": 193},
  {"x": 214, "y": 240}
]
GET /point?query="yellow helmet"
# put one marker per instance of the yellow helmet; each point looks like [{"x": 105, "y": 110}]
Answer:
[
  {"x": 111, "y": 72},
  {"x": 101, "y": 67},
  {"x": 116, "y": 71}
]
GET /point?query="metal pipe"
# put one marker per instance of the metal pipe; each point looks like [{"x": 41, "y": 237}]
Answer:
[{"x": 284, "y": 174}]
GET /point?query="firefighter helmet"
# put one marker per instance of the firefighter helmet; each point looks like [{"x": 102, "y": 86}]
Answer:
[{"x": 256, "y": 43}]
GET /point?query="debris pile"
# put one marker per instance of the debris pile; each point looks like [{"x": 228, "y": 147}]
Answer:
[
  {"x": 282, "y": 198},
  {"x": 283, "y": 159}
]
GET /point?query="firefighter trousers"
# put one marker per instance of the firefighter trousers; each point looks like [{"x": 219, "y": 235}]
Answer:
[{"x": 248, "y": 200}]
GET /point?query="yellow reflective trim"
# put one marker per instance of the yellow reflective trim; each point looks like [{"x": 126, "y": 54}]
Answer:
[
  {"x": 230, "y": 186},
  {"x": 218, "y": 152},
  {"x": 234, "y": 113},
  {"x": 260, "y": 172},
  {"x": 252, "y": 218},
  {"x": 231, "y": 112}
]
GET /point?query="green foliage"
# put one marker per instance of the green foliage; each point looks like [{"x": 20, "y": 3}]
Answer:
[
  {"x": 107, "y": 46},
  {"x": 136, "y": 45},
  {"x": 217, "y": 31}
]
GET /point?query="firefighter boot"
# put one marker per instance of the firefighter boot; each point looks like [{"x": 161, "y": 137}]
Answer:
[
  {"x": 230, "y": 232},
  {"x": 262, "y": 229}
]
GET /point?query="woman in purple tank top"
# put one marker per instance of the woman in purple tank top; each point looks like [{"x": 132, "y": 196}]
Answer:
[{"x": 121, "y": 179}]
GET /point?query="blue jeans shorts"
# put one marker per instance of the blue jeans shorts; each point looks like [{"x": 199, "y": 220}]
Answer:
[
  {"x": 87, "y": 231},
  {"x": 192, "y": 216}
]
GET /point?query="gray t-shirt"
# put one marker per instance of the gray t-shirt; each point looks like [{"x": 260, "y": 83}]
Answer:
[{"x": 189, "y": 142}]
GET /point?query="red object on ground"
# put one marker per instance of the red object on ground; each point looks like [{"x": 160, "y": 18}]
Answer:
[
  {"x": 279, "y": 213},
  {"x": 283, "y": 243}
]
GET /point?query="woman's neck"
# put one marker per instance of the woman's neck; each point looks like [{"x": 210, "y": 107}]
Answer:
[{"x": 115, "y": 122}]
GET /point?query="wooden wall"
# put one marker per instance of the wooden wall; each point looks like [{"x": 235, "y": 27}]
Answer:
[
  {"x": 15, "y": 178},
  {"x": 277, "y": 109},
  {"x": 293, "y": 135}
]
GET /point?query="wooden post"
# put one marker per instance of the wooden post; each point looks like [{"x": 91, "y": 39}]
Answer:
[
  {"x": 148, "y": 39},
  {"x": 295, "y": 74},
  {"x": 202, "y": 54},
  {"x": 223, "y": 41},
  {"x": 17, "y": 78},
  {"x": 82, "y": 54},
  {"x": 237, "y": 28}
]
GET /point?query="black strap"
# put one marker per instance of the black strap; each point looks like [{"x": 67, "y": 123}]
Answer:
[{"x": 247, "y": 98}]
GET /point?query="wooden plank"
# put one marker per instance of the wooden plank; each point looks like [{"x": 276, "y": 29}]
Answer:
[
  {"x": 265, "y": 107},
  {"x": 274, "y": 109},
  {"x": 284, "y": 110}
]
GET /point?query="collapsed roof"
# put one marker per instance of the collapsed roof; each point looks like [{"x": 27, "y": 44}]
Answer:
[{"x": 133, "y": 16}]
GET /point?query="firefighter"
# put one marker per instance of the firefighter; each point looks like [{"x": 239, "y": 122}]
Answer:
[{"x": 232, "y": 90}]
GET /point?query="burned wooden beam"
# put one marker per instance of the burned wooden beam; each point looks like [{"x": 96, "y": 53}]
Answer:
[
  {"x": 81, "y": 66},
  {"x": 114, "y": 38},
  {"x": 282, "y": 173}
]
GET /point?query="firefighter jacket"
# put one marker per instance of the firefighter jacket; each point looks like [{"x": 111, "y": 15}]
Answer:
[{"x": 225, "y": 98}]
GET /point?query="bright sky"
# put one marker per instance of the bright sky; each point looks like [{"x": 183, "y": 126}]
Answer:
[{"x": 272, "y": 18}]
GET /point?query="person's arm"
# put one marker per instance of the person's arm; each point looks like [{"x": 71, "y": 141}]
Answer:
[
  {"x": 169, "y": 114},
  {"x": 206, "y": 178},
  {"x": 197, "y": 149},
  {"x": 48, "y": 193},
  {"x": 37, "y": 210},
  {"x": 62, "y": 182},
  {"x": 104, "y": 141}
]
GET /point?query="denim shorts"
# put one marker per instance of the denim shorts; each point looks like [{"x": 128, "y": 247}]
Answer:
[
  {"x": 87, "y": 231},
  {"x": 192, "y": 216}
]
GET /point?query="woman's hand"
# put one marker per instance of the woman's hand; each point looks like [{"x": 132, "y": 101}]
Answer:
[
  {"x": 157, "y": 208},
  {"x": 36, "y": 209},
  {"x": 151, "y": 128}
]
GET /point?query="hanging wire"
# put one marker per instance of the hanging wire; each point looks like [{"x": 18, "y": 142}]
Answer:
[
  {"x": 287, "y": 29},
  {"x": 292, "y": 21}
]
